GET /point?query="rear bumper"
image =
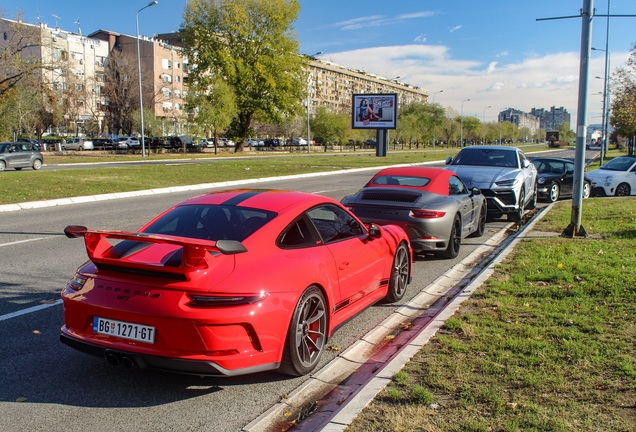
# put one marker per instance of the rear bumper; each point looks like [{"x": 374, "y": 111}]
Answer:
[{"x": 145, "y": 361}]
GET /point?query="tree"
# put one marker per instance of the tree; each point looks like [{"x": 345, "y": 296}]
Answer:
[
  {"x": 250, "y": 45},
  {"x": 329, "y": 126},
  {"x": 214, "y": 109},
  {"x": 120, "y": 92},
  {"x": 420, "y": 121},
  {"x": 623, "y": 115}
]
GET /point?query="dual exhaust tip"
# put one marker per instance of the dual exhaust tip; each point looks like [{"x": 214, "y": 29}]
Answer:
[{"x": 117, "y": 359}]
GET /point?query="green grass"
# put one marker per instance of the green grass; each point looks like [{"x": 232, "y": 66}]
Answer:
[{"x": 547, "y": 344}]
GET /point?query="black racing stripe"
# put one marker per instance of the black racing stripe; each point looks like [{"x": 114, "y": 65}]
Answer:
[{"x": 243, "y": 197}]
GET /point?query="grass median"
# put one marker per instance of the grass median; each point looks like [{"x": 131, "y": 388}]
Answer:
[{"x": 547, "y": 344}]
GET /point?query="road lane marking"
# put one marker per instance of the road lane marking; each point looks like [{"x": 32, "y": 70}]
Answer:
[
  {"x": 29, "y": 310},
  {"x": 22, "y": 241}
]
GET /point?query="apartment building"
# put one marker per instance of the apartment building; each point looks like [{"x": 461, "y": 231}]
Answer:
[
  {"x": 520, "y": 119},
  {"x": 332, "y": 85},
  {"x": 163, "y": 74},
  {"x": 73, "y": 64},
  {"x": 553, "y": 119}
]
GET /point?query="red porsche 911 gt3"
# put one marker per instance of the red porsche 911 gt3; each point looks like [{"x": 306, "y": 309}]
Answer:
[{"x": 230, "y": 283}]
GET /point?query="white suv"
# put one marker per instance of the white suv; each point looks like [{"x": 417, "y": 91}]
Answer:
[{"x": 77, "y": 144}]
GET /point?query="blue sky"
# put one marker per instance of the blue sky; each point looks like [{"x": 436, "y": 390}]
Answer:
[{"x": 493, "y": 52}]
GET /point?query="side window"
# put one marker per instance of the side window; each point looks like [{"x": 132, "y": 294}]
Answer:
[
  {"x": 522, "y": 158},
  {"x": 456, "y": 187},
  {"x": 334, "y": 224},
  {"x": 297, "y": 235}
]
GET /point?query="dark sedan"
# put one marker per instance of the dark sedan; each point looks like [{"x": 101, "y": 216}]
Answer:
[
  {"x": 555, "y": 179},
  {"x": 20, "y": 155}
]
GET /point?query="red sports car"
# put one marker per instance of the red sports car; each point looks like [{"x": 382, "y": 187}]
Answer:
[{"x": 230, "y": 283}]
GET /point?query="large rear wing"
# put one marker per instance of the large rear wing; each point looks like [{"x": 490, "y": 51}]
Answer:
[{"x": 195, "y": 254}]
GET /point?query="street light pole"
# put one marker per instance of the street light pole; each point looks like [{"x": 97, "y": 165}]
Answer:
[
  {"x": 141, "y": 100},
  {"x": 461, "y": 124},
  {"x": 308, "y": 99},
  {"x": 484, "y": 120}
]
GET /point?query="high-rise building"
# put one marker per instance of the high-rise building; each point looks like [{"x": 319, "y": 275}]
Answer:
[
  {"x": 553, "y": 119},
  {"x": 521, "y": 119}
]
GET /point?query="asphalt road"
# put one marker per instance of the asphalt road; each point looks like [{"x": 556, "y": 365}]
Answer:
[{"x": 47, "y": 386}]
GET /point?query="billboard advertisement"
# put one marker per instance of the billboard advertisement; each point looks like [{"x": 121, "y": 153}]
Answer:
[{"x": 374, "y": 111}]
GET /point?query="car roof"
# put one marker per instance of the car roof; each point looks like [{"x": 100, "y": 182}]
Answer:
[
  {"x": 438, "y": 176},
  {"x": 265, "y": 199},
  {"x": 491, "y": 147}
]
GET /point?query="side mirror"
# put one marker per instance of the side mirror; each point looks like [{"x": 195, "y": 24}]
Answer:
[
  {"x": 449, "y": 160},
  {"x": 476, "y": 191},
  {"x": 525, "y": 163},
  {"x": 375, "y": 231}
]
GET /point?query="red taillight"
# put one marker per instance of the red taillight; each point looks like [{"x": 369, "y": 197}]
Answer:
[{"x": 427, "y": 214}]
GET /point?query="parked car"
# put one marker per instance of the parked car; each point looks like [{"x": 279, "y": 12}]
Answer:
[
  {"x": 103, "y": 144},
  {"x": 505, "y": 176},
  {"x": 272, "y": 142},
  {"x": 206, "y": 142},
  {"x": 226, "y": 142},
  {"x": 555, "y": 179},
  {"x": 77, "y": 144},
  {"x": 432, "y": 205},
  {"x": 183, "y": 142},
  {"x": 18, "y": 155},
  {"x": 616, "y": 178},
  {"x": 254, "y": 142},
  {"x": 195, "y": 290},
  {"x": 299, "y": 141}
]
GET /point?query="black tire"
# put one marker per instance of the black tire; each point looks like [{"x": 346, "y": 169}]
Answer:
[
  {"x": 623, "y": 189},
  {"x": 3, "y": 166},
  {"x": 517, "y": 216},
  {"x": 307, "y": 334},
  {"x": 37, "y": 164},
  {"x": 554, "y": 193},
  {"x": 454, "y": 239},
  {"x": 400, "y": 274},
  {"x": 481, "y": 223},
  {"x": 587, "y": 190}
]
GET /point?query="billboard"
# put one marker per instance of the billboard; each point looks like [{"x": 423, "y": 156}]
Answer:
[{"x": 374, "y": 111}]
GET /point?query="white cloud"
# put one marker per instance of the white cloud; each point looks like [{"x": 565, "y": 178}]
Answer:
[
  {"x": 454, "y": 29},
  {"x": 420, "y": 38},
  {"x": 532, "y": 82},
  {"x": 379, "y": 20}
]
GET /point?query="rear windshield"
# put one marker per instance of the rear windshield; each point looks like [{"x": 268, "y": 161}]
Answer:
[
  {"x": 401, "y": 180},
  {"x": 211, "y": 222}
]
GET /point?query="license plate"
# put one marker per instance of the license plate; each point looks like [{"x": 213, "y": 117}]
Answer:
[{"x": 125, "y": 330}]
